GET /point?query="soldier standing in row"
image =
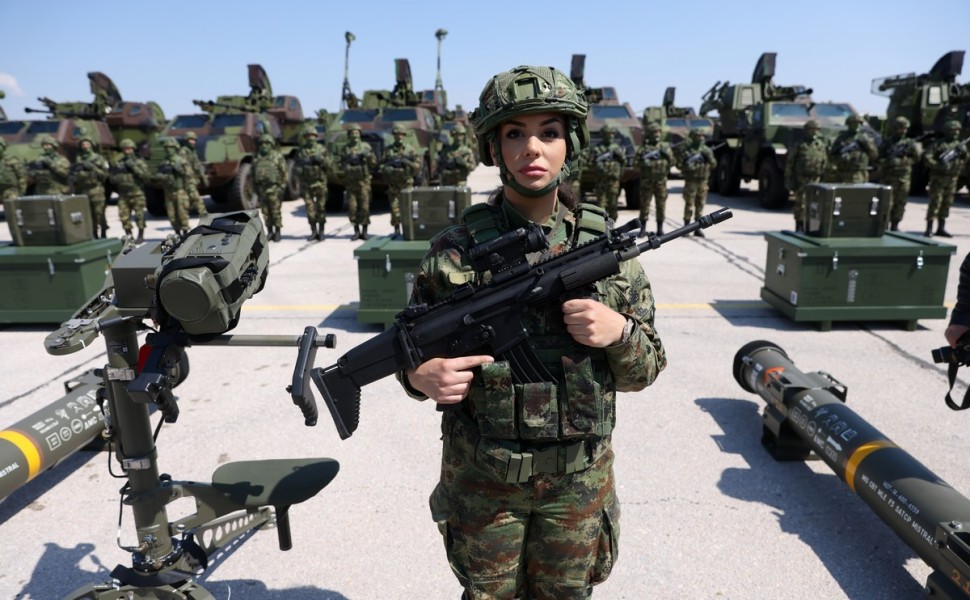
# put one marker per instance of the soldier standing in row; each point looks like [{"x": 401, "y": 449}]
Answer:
[
  {"x": 269, "y": 179},
  {"x": 356, "y": 161},
  {"x": 607, "y": 159},
  {"x": 944, "y": 159},
  {"x": 696, "y": 162},
  {"x": 87, "y": 176},
  {"x": 655, "y": 158},
  {"x": 399, "y": 166},
  {"x": 128, "y": 175},
  {"x": 806, "y": 163},
  {"x": 851, "y": 153},
  {"x": 897, "y": 155},
  {"x": 13, "y": 174},
  {"x": 196, "y": 174},
  {"x": 50, "y": 172},
  {"x": 172, "y": 177},
  {"x": 456, "y": 160},
  {"x": 311, "y": 169}
]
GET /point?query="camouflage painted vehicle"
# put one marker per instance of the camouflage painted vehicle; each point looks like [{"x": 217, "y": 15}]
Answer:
[
  {"x": 928, "y": 101},
  {"x": 605, "y": 107},
  {"x": 756, "y": 124},
  {"x": 227, "y": 130},
  {"x": 107, "y": 120},
  {"x": 676, "y": 121}
]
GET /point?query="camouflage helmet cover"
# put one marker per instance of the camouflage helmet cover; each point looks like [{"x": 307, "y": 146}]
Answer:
[
  {"x": 607, "y": 128},
  {"x": 353, "y": 127},
  {"x": 190, "y": 135},
  {"x": 901, "y": 122},
  {"x": 952, "y": 125},
  {"x": 127, "y": 143},
  {"x": 696, "y": 133},
  {"x": 47, "y": 139},
  {"x": 308, "y": 130},
  {"x": 812, "y": 124},
  {"x": 266, "y": 139},
  {"x": 527, "y": 90},
  {"x": 169, "y": 142},
  {"x": 398, "y": 128},
  {"x": 853, "y": 119},
  {"x": 85, "y": 138}
]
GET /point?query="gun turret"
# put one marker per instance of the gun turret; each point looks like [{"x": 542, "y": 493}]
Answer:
[
  {"x": 347, "y": 97},
  {"x": 711, "y": 100}
]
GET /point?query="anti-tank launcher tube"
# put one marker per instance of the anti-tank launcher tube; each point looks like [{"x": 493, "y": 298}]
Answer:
[{"x": 806, "y": 413}]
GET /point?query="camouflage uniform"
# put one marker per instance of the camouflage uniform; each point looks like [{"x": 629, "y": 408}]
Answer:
[
  {"x": 607, "y": 159},
  {"x": 356, "y": 161},
  {"x": 87, "y": 176},
  {"x": 172, "y": 177},
  {"x": 311, "y": 169},
  {"x": 269, "y": 179},
  {"x": 399, "y": 166},
  {"x": 13, "y": 175},
  {"x": 897, "y": 155},
  {"x": 944, "y": 159},
  {"x": 655, "y": 158},
  {"x": 851, "y": 153},
  {"x": 456, "y": 160},
  {"x": 695, "y": 162},
  {"x": 805, "y": 164},
  {"x": 196, "y": 174},
  {"x": 50, "y": 172},
  {"x": 128, "y": 175},
  {"x": 514, "y": 527}
]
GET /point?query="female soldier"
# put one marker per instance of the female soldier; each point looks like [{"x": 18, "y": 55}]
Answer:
[{"x": 526, "y": 502}]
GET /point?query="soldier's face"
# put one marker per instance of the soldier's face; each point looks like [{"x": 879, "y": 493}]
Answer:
[
  {"x": 354, "y": 136},
  {"x": 46, "y": 147},
  {"x": 128, "y": 151},
  {"x": 190, "y": 142},
  {"x": 533, "y": 148},
  {"x": 85, "y": 145},
  {"x": 853, "y": 126},
  {"x": 398, "y": 137}
]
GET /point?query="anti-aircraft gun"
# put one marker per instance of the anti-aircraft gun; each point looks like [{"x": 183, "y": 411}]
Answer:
[
  {"x": 605, "y": 108},
  {"x": 756, "y": 123},
  {"x": 226, "y": 132},
  {"x": 928, "y": 101}
]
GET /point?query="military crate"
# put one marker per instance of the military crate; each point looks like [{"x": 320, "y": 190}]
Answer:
[
  {"x": 385, "y": 272},
  {"x": 846, "y": 209},
  {"x": 427, "y": 210},
  {"x": 896, "y": 277},
  {"x": 46, "y": 284},
  {"x": 49, "y": 220}
]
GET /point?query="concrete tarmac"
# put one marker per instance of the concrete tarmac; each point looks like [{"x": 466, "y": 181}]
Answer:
[{"x": 706, "y": 512}]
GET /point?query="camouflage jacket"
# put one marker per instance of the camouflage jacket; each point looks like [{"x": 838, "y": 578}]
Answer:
[
  {"x": 695, "y": 161},
  {"x": 357, "y": 161},
  {"x": 806, "y": 162},
  {"x": 607, "y": 160},
  {"x": 399, "y": 164},
  {"x": 172, "y": 174},
  {"x": 937, "y": 153},
  {"x": 311, "y": 163},
  {"x": 13, "y": 175},
  {"x": 577, "y": 369},
  {"x": 898, "y": 155},
  {"x": 458, "y": 158},
  {"x": 269, "y": 170},
  {"x": 50, "y": 173},
  {"x": 852, "y": 151},
  {"x": 128, "y": 174},
  {"x": 90, "y": 170},
  {"x": 196, "y": 172},
  {"x": 654, "y": 160}
]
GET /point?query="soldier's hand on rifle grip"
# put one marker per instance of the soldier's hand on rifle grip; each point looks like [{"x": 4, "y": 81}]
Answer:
[
  {"x": 592, "y": 323},
  {"x": 446, "y": 380}
]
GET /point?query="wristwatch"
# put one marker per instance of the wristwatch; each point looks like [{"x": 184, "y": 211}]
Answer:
[{"x": 627, "y": 330}]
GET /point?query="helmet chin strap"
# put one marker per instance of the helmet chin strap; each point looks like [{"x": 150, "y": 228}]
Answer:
[{"x": 509, "y": 180}]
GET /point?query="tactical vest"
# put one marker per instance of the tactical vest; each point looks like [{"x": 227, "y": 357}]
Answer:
[
  {"x": 87, "y": 178},
  {"x": 9, "y": 167},
  {"x": 570, "y": 407},
  {"x": 654, "y": 167},
  {"x": 266, "y": 172},
  {"x": 122, "y": 176},
  {"x": 46, "y": 180}
]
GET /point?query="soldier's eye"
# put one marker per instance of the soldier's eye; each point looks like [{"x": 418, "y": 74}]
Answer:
[
  {"x": 513, "y": 133},
  {"x": 551, "y": 133}
]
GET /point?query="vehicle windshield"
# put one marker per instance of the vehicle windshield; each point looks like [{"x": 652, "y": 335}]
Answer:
[
  {"x": 42, "y": 127},
  {"x": 8, "y": 127},
  {"x": 600, "y": 111},
  {"x": 221, "y": 122},
  {"x": 358, "y": 116},
  {"x": 831, "y": 115},
  {"x": 696, "y": 123},
  {"x": 189, "y": 122},
  {"x": 673, "y": 122},
  {"x": 788, "y": 113},
  {"x": 399, "y": 114}
]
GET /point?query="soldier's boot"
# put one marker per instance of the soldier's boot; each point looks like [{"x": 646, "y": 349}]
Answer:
[
  {"x": 320, "y": 232},
  {"x": 894, "y": 226},
  {"x": 141, "y": 236},
  {"x": 660, "y": 227},
  {"x": 363, "y": 232},
  {"x": 94, "y": 229},
  {"x": 276, "y": 233},
  {"x": 929, "y": 229},
  {"x": 128, "y": 232},
  {"x": 397, "y": 232},
  {"x": 799, "y": 226},
  {"x": 643, "y": 229},
  {"x": 699, "y": 233},
  {"x": 313, "y": 232},
  {"x": 356, "y": 232},
  {"x": 941, "y": 229}
]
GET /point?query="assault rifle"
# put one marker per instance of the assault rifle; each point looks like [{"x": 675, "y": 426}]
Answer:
[
  {"x": 951, "y": 154},
  {"x": 608, "y": 155},
  {"x": 851, "y": 147},
  {"x": 485, "y": 319},
  {"x": 698, "y": 156}
]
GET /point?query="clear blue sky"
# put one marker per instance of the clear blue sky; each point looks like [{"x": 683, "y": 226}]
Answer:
[{"x": 175, "y": 51}]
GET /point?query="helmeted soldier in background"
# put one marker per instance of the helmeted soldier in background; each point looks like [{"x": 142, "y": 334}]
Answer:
[
  {"x": 654, "y": 158},
  {"x": 897, "y": 155},
  {"x": 806, "y": 163},
  {"x": 695, "y": 161},
  {"x": 852, "y": 152},
  {"x": 607, "y": 160},
  {"x": 172, "y": 176},
  {"x": 399, "y": 165},
  {"x": 87, "y": 176},
  {"x": 196, "y": 175},
  {"x": 50, "y": 172},
  {"x": 456, "y": 160},
  {"x": 310, "y": 165},
  {"x": 13, "y": 174},
  {"x": 944, "y": 159},
  {"x": 269, "y": 179},
  {"x": 128, "y": 174},
  {"x": 356, "y": 161}
]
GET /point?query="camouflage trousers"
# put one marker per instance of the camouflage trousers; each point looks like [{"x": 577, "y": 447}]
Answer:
[
  {"x": 358, "y": 201},
  {"x": 853, "y": 176},
  {"x": 8, "y": 193},
  {"x": 453, "y": 177},
  {"x": 132, "y": 202},
  {"x": 695, "y": 196},
  {"x": 270, "y": 201},
  {"x": 315, "y": 199},
  {"x": 394, "y": 193},
  {"x": 97, "y": 201},
  {"x": 195, "y": 200},
  {"x": 798, "y": 191},
  {"x": 898, "y": 196},
  {"x": 941, "y": 191},
  {"x": 552, "y": 537},
  {"x": 607, "y": 195},
  {"x": 653, "y": 189},
  {"x": 177, "y": 209}
]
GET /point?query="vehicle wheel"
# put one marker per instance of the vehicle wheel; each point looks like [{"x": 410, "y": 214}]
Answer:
[
  {"x": 631, "y": 189},
  {"x": 292, "y": 190},
  {"x": 728, "y": 183},
  {"x": 771, "y": 187},
  {"x": 335, "y": 198},
  {"x": 154, "y": 201},
  {"x": 242, "y": 194}
]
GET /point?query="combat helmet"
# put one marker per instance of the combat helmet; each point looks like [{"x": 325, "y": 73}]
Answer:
[
  {"x": 398, "y": 128},
  {"x": 812, "y": 124},
  {"x": 127, "y": 143},
  {"x": 952, "y": 125},
  {"x": 308, "y": 130},
  {"x": 853, "y": 119},
  {"x": 266, "y": 139},
  {"x": 654, "y": 127},
  {"x": 47, "y": 139},
  {"x": 901, "y": 122},
  {"x": 169, "y": 142},
  {"x": 526, "y": 90},
  {"x": 696, "y": 134}
]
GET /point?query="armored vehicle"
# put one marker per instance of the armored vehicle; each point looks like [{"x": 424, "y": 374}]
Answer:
[
  {"x": 605, "y": 108},
  {"x": 676, "y": 121},
  {"x": 928, "y": 101},
  {"x": 756, "y": 124},
  {"x": 226, "y": 131}
]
